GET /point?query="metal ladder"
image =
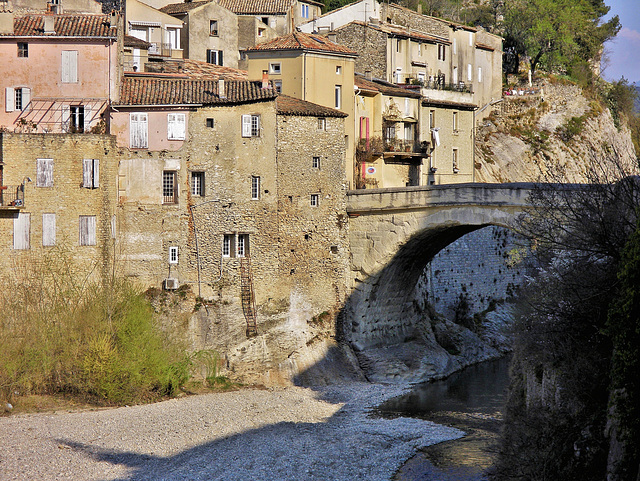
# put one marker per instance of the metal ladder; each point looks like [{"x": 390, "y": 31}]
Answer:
[{"x": 248, "y": 299}]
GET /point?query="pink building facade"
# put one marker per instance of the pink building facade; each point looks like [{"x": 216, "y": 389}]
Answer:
[{"x": 60, "y": 73}]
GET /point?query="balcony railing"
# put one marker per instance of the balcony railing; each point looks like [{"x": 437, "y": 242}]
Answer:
[
  {"x": 11, "y": 197},
  {"x": 160, "y": 48},
  {"x": 405, "y": 146}
]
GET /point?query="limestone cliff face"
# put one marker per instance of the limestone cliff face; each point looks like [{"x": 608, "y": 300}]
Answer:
[{"x": 559, "y": 128}]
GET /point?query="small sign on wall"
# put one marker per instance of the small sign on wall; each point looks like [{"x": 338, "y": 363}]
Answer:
[{"x": 371, "y": 170}]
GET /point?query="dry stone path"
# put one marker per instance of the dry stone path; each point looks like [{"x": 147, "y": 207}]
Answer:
[{"x": 281, "y": 434}]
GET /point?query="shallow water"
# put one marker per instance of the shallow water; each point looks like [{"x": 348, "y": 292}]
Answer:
[{"x": 471, "y": 400}]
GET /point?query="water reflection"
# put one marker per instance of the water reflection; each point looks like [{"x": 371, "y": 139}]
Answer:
[{"x": 470, "y": 400}]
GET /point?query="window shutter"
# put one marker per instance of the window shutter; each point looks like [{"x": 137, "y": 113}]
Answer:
[
  {"x": 176, "y": 126},
  {"x": 21, "y": 231},
  {"x": 66, "y": 115},
  {"x": 10, "y": 99},
  {"x": 87, "y": 118},
  {"x": 219, "y": 57},
  {"x": 87, "y": 172},
  {"x": 171, "y": 123},
  {"x": 87, "y": 230},
  {"x": 246, "y": 125},
  {"x": 69, "y": 66},
  {"x": 48, "y": 229},
  {"x": 138, "y": 131},
  {"x": 44, "y": 173},
  {"x": 96, "y": 173},
  {"x": 26, "y": 98}
]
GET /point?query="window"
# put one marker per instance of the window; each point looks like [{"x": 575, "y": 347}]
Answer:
[
  {"x": 265, "y": 20},
  {"x": 169, "y": 187},
  {"x": 398, "y": 75},
  {"x": 91, "y": 173},
  {"x": 197, "y": 184},
  {"x": 407, "y": 108},
  {"x": 479, "y": 74},
  {"x": 322, "y": 123},
  {"x": 138, "y": 131},
  {"x": 243, "y": 245},
  {"x": 173, "y": 254},
  {"x": 251, "y": 125},
  {"x": 76, "y": 119},
  {"x": 69, "y": 66},
  {"x": 441, "y": 52},
  {"x": 172, "y": 38},
  {"x": 408, "y": 132},
  {"x": 469, "y": 72},
  {"x": 277, "y": 84},
  {"x": 22, "y": 231},
  {"x": 432, "y": 119},
  {"x": 23, "y": 49},
  {"x": 226, "y": 245},
  {"x": 176, "y": 126},
  {"x": 455, "y": 122},
  {"x": 17, "y": 98},
  {"x": 470, "y": 39},
  {"x": 211, "y": 124},
  {"x": 315, "y": 200},
  {"x": 422, "y": 76},
  {"x": 315, "y": 163},
  {"x": 455, "y": 75},
  {"x": 338, "y": 70},
  {"x": 274, "y": 68},
  {"x": 255, "y": 187},
  {"x": 87, "y": 230},
  {"x": 398, "y": 45},
  {"x": 48, "y": 230},
  {"x": 213, "y": 28},
  {"x": 305, "y": 11},
  {"x": 261, "y": 31},
  {"x": 390, "y": 131},
  {"x": 44, "y": 173},
  {"x": 455, "y": 161},
  {"x": 338, "y": 96},
  {"x": 454, "y": 47},
  {"x": 419, "y": 49},
  {"x": 214, "y": 57}
]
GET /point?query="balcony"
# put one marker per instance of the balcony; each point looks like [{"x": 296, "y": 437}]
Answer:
[
  {"x": 405, "y": 150},
  {"x": 11, "y": 197},
  {"x": 162, "y": 49}
]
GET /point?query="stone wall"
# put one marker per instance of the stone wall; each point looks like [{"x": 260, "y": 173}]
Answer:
[
  {"x": 66, "y": 198},
  {"x": 371, "y": 45},
  {"x": 408, "y": 18}
]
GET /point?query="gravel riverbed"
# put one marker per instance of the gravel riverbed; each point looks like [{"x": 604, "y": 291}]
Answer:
[{"x": 277, "y": 434}]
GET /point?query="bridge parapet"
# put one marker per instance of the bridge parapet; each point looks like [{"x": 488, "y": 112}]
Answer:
[{"x": 415, "y": 198}]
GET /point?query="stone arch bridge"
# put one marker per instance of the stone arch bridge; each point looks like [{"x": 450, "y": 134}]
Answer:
[{"x": 394, "y": 233}]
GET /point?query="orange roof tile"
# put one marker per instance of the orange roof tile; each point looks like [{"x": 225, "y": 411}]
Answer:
[
  {"x": 180, "y": 8},
  {"x": 303, "y": 41},
  {"x": 197, "y": 69},
  {"x": 141, "y": 90},
  {"x": 384, "y": 87},
  {"x": 65, "y": 26},
  {"x": 291, "y": 106}
]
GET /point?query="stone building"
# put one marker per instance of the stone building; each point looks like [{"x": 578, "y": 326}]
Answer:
[
  {"x": 57, "y": 191},
  {"x": 238, "y": 192}
]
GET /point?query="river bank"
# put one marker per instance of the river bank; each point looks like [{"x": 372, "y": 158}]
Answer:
[{"x": 277, "y": 434}]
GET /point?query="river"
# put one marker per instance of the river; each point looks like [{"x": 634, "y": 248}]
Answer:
[{"x": 471, "y": 400}]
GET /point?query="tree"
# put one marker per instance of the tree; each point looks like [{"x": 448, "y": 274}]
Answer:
[{"x": 554, "y": 33}]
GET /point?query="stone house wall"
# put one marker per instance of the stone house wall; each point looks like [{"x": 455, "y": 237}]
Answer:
[
  {"x": 408, "y": 18},
  {"x": 371, "y": 46},
  {"x": 67, "y": 198}
]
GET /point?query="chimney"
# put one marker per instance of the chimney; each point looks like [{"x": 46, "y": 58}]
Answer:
[
  {"x": 333, "y": 37},
  {"x": 368, "y": 75},
  {"x": 221, "y": 92},
  {"x": 265, "y": 79},
  {"x": 49, "y": 25},
  {"x": 419, "y": 8},
  {"x": 6, "y": 23}
]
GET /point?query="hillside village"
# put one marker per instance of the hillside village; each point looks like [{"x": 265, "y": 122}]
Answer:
[{"x": 211, "y": 143}]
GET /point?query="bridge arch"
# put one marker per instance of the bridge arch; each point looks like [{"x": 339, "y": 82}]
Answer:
[{"x": 394, "y": 234}]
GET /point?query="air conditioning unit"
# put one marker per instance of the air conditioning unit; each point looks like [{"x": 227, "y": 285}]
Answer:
[{"x": 171, "y": 284}]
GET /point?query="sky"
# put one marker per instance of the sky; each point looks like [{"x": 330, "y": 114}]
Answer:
[{"x": 623, "y": 52}]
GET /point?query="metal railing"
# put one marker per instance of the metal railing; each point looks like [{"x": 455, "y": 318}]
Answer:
[
  {"x": 11, "y": 196},
  {"x": 160, "y": 48}
]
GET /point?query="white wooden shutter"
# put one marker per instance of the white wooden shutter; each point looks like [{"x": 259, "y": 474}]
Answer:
[
  {"x": 87, "y": 230},
  {"x": 10, "y": 99},
  {"x": 87, "y": 118},
  {"x": 90, "y": 173},
  {"x": 44, "y": 173},
  {"x": 138, "y": 131},
  {"x": 48, "y": 229},
  {"x": 69, "y": 66},
  {"x": 176, "y": 126},
  {"x": 96, "y": 173},
  {"x": 65, "y": 116},
  {"x": 26, "y": 98},
  {"x": 469, "y": 72},
  {"x": 21, "y": 231},
  {"x": 246, "y": 125}
]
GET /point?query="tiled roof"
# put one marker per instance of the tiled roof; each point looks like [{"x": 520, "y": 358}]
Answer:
[
  {"x": 449, "y": 104},
  {"x": 131, "y": 41},
  {"x": 303, "y": 41},
  {"x": 184, "y": 7},
  {"x": 65, "y": 26},
  {"x": 196, "y": 69},
  {"x": 484, "y": 46},
  {"x": 138, "y": 90},
  {"x": 399, "y": 31},
  {"x": 257, "y": 7},
  {"x": 291, "y": 106},
  {"x": 384, "y": 87}
]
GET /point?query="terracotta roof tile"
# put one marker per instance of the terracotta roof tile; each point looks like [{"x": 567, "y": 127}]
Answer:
[
  {"x": 141, "y": 90},
  {"x": 65, "y": 26},
  {"x": 399, "y": 31},
  {"x": 303, "y": 41},
  {"x": 180, "y": 8},
  {"x": 384, "y": 87},
  {"x": 449, "y": 104},
  {"x": 196, "y": 69},
  {"x": 291, "y": 106},
  {"x": 256, "y": 7},
  {"x": 131, "y": 41}
]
